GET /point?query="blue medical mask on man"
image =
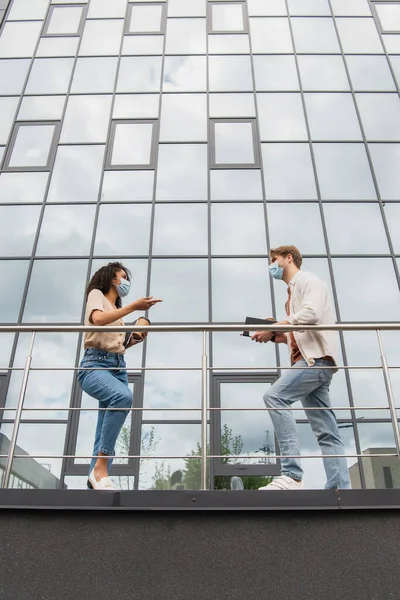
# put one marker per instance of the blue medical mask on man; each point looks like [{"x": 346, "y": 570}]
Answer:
[
  {"x": 276, "y": 271},
  {"x": 123, "y": 287}
]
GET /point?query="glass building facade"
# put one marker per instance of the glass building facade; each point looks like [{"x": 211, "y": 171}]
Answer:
[{"x": 185, "y": 138}]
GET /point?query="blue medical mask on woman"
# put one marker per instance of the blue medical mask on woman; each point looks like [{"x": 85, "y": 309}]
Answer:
[
  {"x": 275, "y": 270},
  {"x": 123, "y": 287}
]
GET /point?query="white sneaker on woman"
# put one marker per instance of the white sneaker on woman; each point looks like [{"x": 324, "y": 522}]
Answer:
[
  {"x": 283, "y": 483},
  {"x": 104, "y": 483}
]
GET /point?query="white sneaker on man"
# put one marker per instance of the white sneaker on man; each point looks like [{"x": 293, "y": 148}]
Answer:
[
  {"x": 283, "y": 483},
  {"x": 104, "y": 483}
]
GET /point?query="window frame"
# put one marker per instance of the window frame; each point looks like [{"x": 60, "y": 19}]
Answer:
[
  {"x": 163, "y": 26},
  {"x": 256, "y": 144},
  {"x": 375, "y": 14},
  {"x": 51, "y": 10},
  {"x": 52, "y": 150},
  {"x": 132, "y": 167},
  {"x": 210, "y": 29}
]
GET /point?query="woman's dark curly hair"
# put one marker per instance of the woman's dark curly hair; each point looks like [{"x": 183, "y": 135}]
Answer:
[{"x": 102, "y": 279}]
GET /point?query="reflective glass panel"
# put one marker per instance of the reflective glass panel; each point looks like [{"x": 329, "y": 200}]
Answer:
[
  {"x": 124, "y": 186},
  {"x": 228, "y": 43},
  {"x": 183, "y": 286},
  {"x": 41, "y": 108},
  {"x": 343, "y": 172},
  {"x": 380, "y": 114},
  {"x": 315, "y": 35},
  {"x": 76, "y": 174},
  {"x": 32, "y": 146},
  {"x": 8, "y": 107},
  {"x": 355, "y": 8},
  {"x": 139, "y": 74},
  {"x": 392, "y": 43},
  {"x": 359, "y": 36},
  {"x": 145, "y": 19},
  {"x": 62, "y": 46},
  {"x": 28, "y": 10},
  {"x": 230, "y": 348},
  {"x": 236, "y": 185},
  {"x": 230, "y": 73},
  {"x": 238, "y": 229},
  {"x": 240, "y": 287},
  {"x": 176, "y": 389},
  {"x": 133, "y": 229},
  {"x": 66, "y": 230},
  {"x": 227, "y": 17},
  {"x": 303, "y": 219},
  {"x": 395, "y": 62},
  {"x": 145, "y": 45},
  {"x": 56, "y": 290},
  {"x": 12, "y": 75},
  {"x": 185, "y": 74},
  {"x": 359, "y": 283},
  {"x": 94, "y": 75},
  {"x": 319, "y": 8},
  {"x": 186, "y": 36},
  {"x": 18, "y": 269},
  {"x": 385, "y": 159},
  {"x": 389, "y": 16},
  {"x": 323, "y": 73},
  {"x": 102, "y": 37},
  {"x": 19, "y": 39},
  {"x": 232, "y": 105},
  {"x": 270, "y": 35},
  {"x": 182, "y": 172},
  {"x": 50, "y": 76},
  {"x": 234, "y": 143},
  {"x": 370, "y": 73},
  {"x": 174, "y": 349},
  {"x": 259, "y": 8},
  {"x": 283, "y": 183},
  {"x": 6, "y": 343},
  {"x": 355, "y": 229},
  {"x": 132, "y": 144},
  {"x": 281, "y": 117},
  {"x": 182, "y": 8},
  {"x": 332, "y": 117},
  {"x": 183, "y": 118},
  {"x": 275, "y": 73},
  {"x": 180, "y": 229},
  {"x": 106, "y": 9},
  {"x": 392, "y": 212},
  {"x": 136, "y": 106},
  {"x": 86, "y": 119},
  {"x": 23, "y": 187},
  {"x": 18, "y": 228},
  {"x": 2, "y": 148},
  {"x": 64, "y": 20}
]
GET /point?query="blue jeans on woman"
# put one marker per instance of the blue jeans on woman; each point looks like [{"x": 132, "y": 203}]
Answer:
[
  {"x": 111, "y": 389},
  {"x": 310, "y": 385}
]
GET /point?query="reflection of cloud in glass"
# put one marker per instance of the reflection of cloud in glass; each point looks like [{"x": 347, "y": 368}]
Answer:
[
  {"x": 174, "y": 349},
  {"x": 18, "y": 228},
  {"x": 230, "y": 349},
  {"x": 6, "y": 342},
  {"x": 270, "y": 35},
  {"x": 385, "y": 158},
  {"x": 139, "y": 74},
  {"x": 12, "y": 75},
  {"x": 182, "y": 172},
  {"x": 94, "y": 75},
  {"x": 238, "y": 229},
  {"x": 380, "y": 114},
  {"x": 123, "y": 229},
  {"x": 355, "y": 229},
  {"x": 17, "y": 269},
  {"x": 172, "y": 389},
  {"x": 66, "y": 230},
  {"x": 8, "y": 106},
  {"x": 185, "y": 74},
  {"x": 359, "y": 36},
  {"x": 180, "y": 229},
  {"x": 143, "y": 45},
  {"x": 183, "y": 118},
  {"x": 282, "y": 183},
  {"x": 230, "y": 73},
  {"x": 296, "y": 230},
  {"x": 86, "y": 119},
  {"x": 19, "y": 39},
  {"x": 315, "y": 36},
  {"x": 123, "y": 186},
  {"x": 281, "y": 117},
  {"x": 102, "y": 37},
  {"x": 186, "y": 36},
  {"x": 228, "y": 43},
  {"x": 136, "y": 106},
  {"x": 50, "y": 76},
  {"x": 22, "y": 187},
  {"x": 236, "y": 185},
  {"x": 332, "y": 117}
]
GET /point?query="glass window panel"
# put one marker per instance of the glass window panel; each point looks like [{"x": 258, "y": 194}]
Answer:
[
  {"x": 230, "y": 73},
  {"x": 259, "y": 8},
  {"x": 355, "y": 229},
  {"x": 18, "y": 269},
  {"x": 227, "y": 17},
  {"x": 392, "y": 43},
  {"x": 56, "y": 290},
  {"x": 281, "y": 117},
  {"x": 19, "y": 39},
  {"x": 370, "y": 73},
  {"x": 275, "y": 73},
  {"x": 395, "y": 62},
  {"x": 136, "y": 106},
  {"x": 93, "y": 75},
  {"x": 23, "y": 187},
  {"x": 40, "y": 108},
  {"x": 145, "y": 19},
  {"x": 12, "y": 75},
  {"x": 182, "y": 172},
  {"x": 393, "y": 220},
  {"x": 186, "y": 36},
  {"x": 230, "y": 348},
  {"x": 32, "y": 146},
  {"x": 28, "y": 10},
  {"x": 228, "y": 44},
  {"x": 18, "y": 228},
  {"x": 309, "y": 8},
  {"x": 232, "y": 105},
  {"x": 323, "y": 73},
  {"x": 64, "y": 20},
  {"x": 270, "y": 35},
  {"x": 102, "y": 37},
  {"x": 315, "y": 35},
  {"x": 332, "y": 117},
  {"x": 6, "y": 343},
  {"x": 234, "y": 143},
  {"x": 389, "y": 16},
  {"x": 238, "y": 229},
  {"x": 380, "y": 114},
  {"x": 174, "y": 349},
  {"x": 177, "y": 389},
  {"x": 185, "y": 74},
  {"x": 86, "y": 119},
  {"x": 353, "y": 278},
  {"x": 8, "y": 107},
  {"x": 183, "y": 118},
  {"x": 343, "y": 172},
  {"x": 282, "y": 183},
  {"x": 50, "y": 76},
  {"x": 359, "y": 36},
  {"x": 303, "y": 219},
  {"x": 183, "y": 286},
  {"x": 240, "y": 287},
  {"x": 106, "y": 9},
  {"x": 62, "y": 46},
  {"x": 127, "y": 186},
  {"x": 133, "y": 229},
  {"x": 76, "y": 174},
  {"x": 2, "y": 148},
  {"x": 180, "y": 229},
  {"x": 182, "y": 8},
  {"x": 66, "y": 230},
  {"x": 236, "y": 185},
  {"x": 139, "y": 74},
  {"x": 355, "y": 8},
  {"x": 385, "y": 159},
  {"x": 143, "y": 44},
  {"x": 132, "y": 144}
]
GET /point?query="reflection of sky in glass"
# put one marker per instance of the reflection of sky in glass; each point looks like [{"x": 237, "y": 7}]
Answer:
[
  {"x": 234, "y": 143},
  {"x": 18, "y": 227}
]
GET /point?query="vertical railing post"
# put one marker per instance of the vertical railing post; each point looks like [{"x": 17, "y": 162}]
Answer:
[
  {"x": 389, "y": 391},
  {"x": 14, "y": 436},
  {"x": 204, "y": 413}
]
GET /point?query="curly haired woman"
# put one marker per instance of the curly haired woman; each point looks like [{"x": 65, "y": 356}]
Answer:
[{"x": 105, "y": 350}]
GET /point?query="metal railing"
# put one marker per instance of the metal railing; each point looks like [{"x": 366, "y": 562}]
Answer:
[{"x": 205, "y": 369}]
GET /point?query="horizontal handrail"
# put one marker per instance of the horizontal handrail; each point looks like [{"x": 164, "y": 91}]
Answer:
[
  {"x": 212, "y": 408},
  {"x": 193, "y": 456}
]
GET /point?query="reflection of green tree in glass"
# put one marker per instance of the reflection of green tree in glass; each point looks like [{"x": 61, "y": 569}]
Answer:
[{"x": 148, "y": 445}]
